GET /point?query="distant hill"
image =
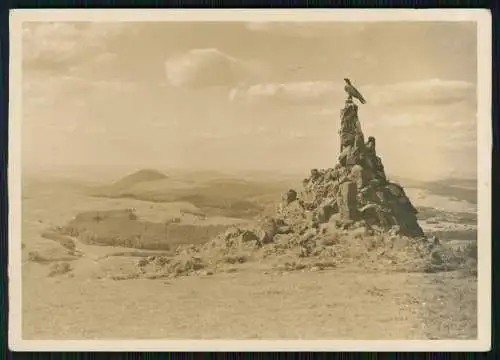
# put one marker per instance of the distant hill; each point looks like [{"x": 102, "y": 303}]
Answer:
[
  {"x": 457, "y": 189},
  {"x": 225, "y": 196},
  {"x": 462, "y": 183},
  {"x": 144, "y": 175}
]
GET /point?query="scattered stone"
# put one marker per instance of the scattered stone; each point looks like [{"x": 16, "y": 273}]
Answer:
[
  {"x": 359, "y": 232},
  {"x": 59, "y": 269},
  {"x": 143, "y": 262},
  {"x": 249, "y": 236},
  {"x": 400, "y": 242},
  {"x": 206, "y": 273}
]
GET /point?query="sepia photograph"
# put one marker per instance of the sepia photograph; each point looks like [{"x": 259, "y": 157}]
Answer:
[{"x": 276, "y": 180}]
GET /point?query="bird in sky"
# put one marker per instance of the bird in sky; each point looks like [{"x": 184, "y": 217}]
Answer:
[{"x": 353, "y": 92}]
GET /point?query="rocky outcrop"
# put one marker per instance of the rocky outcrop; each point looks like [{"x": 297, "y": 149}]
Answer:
[
  {"x": 357, "y": 187},
  {"x": 348, "y": 215}
]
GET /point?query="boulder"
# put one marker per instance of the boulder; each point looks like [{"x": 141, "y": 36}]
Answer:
[
  {"x": 268, "y": 229},
  {"x": 347, "y": 202},
  {"x": 357, "y": 175}
]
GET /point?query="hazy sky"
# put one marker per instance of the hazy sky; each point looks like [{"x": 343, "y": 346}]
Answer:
[{"x": 247, "y": 95}]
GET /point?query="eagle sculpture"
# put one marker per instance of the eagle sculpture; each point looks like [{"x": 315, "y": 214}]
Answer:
[{"x": 352, "y": 92}]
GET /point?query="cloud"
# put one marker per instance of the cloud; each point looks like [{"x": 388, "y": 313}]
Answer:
[
  {"x": 418, "y": 93},
  {"x": 58, "y": 40},
  {"x": 423, "y": 93},
  {"x": 305, "y": 30},
  {"x": 297, "y": 93},
  {"x": 327, "y": 112},
  {"x": 205, "y": 68},
  {"x": 63, "y": 45},
  {"x": 40, "y": 90},
  {"x": 71, "y": 62}
]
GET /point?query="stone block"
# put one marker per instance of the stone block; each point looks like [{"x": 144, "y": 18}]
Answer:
[{"x": 347, "y": 201}]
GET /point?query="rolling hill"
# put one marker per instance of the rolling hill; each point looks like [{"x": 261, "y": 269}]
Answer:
[{"x": 230, "y": 197}]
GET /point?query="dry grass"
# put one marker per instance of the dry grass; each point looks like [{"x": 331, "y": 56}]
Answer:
[
  {"x": 252, "y": 305},
  {"x": 450, "y": 310}
]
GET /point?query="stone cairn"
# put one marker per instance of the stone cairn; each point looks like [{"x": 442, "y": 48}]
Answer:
[{"x": 357, "y": 189}]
